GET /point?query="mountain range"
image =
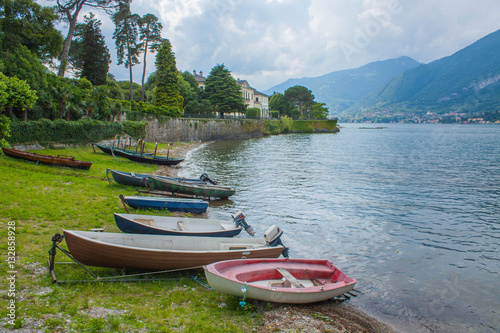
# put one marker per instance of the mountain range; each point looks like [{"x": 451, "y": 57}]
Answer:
[
  {"x": 465, "y": 83},
  {"x": 342, "y": 89}
]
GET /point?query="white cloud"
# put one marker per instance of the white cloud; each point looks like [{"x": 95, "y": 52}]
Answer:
[{"x": 268, "y": 41}]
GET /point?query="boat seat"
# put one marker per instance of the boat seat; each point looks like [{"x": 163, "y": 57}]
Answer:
[
  {"x": 287, "y": 275},
  {"x": 150, "y": 222},
  {"x": 182, "y": 226},
  {"x": 236, "y": 246},
  {"x": 227, "y": 226}
]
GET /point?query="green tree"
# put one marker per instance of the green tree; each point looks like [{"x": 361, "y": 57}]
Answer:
[
  {"x": 4, "y": 131},
  {"x": 167, "y": 84},
  {"x": 25, "y": 65},
  {"x": 278, "y": 102},
  {"x": 126, "y": 38},
  {"x": 186, "y": 90},
  {"x": 89, "y": 53},
  {"x": 18, "y": 94},
  {"x": 98, "y": 103},
  {"x": 150, "y": 36},
  {"x": 24, "y": 22},
  {"x": 69, "y": 11},
  {"x": 319, "y": 111},
  {"x": 4, "y": 82},
  {"x": 189, "y": 78},
  {"x": 223, "y": 91},
  {"x": 299, "y": 97}
]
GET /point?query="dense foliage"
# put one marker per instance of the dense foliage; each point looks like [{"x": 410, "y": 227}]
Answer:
[
  {"x": 298, "y": 102},
  {"x": 24, "y": 22},
  {"x": 223, "y": 91},
  {"x": 89, "y": 54},
  {"x": 167, "y": 84},
  {"x": 126, "y": 36},
  {"x": 82, "y": 131}
]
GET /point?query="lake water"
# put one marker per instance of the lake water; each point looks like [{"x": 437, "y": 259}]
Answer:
[{"x": 410, "y": 211}]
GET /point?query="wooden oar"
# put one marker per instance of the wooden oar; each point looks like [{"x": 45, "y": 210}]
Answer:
[{"x": 123, "y": 202}]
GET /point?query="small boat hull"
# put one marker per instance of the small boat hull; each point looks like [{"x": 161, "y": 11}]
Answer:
[
  {"x": 141, "y": 179},
  {"x": 171, "y": 204},
  {"x": 201, "y": 190},
  {"x": 47, "y": 159},
  {"x": 266, "y": 279},
  {"x": 157, "y": 253},
  {"x": 175, "y": 226}
]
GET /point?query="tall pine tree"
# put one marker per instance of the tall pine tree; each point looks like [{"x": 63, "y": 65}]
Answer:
[
  {"x": 150, "y": 36},
  {"x": 89, "y": 54},
  {"x": 223, "y": 91},
  {"x": 167, "y": 85},
  {"x": 126, "y": 38}
]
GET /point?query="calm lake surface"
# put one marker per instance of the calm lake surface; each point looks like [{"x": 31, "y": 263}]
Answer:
[{"x": 410, "y": 211}]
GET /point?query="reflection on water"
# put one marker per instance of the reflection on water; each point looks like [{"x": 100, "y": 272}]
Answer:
[{"x": 410, "y": 211}]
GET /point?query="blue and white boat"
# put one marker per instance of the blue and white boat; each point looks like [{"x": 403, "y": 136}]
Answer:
[
  {"x": 176, "y": 226},
  {"x": 171, "y": 204}
]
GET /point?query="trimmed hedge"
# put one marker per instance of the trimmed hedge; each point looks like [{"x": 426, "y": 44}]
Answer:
[{"x": 82, "y": 131}]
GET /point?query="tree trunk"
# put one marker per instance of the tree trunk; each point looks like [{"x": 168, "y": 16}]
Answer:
[
  {"x": 25, "y": 114},
  {"x": 67, "y": 42},
  {"x": 131, "y": 82},
  {"x": 144, "y": 71},
  {"x": 61, "y": 107}
]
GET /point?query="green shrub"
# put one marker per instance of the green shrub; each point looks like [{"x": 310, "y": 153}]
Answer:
[
  {"x": 286, "y": 124},
  {"x": 253, "y": 113},
  {"x": 136, "y": 129},
  {"x": 83, "y": 131}
]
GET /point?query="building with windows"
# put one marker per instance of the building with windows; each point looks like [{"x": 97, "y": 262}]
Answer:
[
  {"x": 200, "y": 79},
  {"x": 253, "y": 98}
]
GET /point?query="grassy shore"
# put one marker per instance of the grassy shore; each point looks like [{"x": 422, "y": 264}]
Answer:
[{"x": 43, "y": 200}]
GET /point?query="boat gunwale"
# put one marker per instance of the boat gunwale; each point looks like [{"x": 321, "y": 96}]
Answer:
[
  {"x": 77, "y": 234},
  {"x": 180, "y": 232}
]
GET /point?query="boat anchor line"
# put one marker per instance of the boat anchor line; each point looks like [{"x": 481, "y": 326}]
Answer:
[{"x": 57, "y": 238}]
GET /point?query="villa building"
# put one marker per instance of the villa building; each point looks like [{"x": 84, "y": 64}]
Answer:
[{"x": 253, "y": 98}]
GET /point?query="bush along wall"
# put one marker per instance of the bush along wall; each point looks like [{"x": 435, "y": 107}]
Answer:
[
  {"x": 314, "y": 126},
  {"x": 77, "y": 132}
]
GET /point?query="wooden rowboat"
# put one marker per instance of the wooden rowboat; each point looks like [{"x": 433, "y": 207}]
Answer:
[
  {"x": 201, "y": 190},
  {"x": 61, "y": 160},
  {"x": 279, "y": 280},
  {"x": 158, "y": 252},
  {"x": 141, "y": 179},
  {"x": 140, "y": 156},
  {"x": 180, "y": 226},
  {"x": 171, "y": 204}
]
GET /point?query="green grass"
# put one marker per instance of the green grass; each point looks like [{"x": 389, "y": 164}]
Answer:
[{"x": 43, "y": 200}]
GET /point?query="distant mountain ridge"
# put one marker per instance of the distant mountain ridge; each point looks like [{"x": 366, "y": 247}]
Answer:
[
  {"x": 466, "y": 81},
  {"x": 464, "y": 85},
  {"x": 342, "y": 89}
]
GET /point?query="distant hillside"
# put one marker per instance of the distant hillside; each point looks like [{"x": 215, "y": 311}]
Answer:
[
  {"x": 467, "y": 81},
  {"x": 342, "y": 89}
]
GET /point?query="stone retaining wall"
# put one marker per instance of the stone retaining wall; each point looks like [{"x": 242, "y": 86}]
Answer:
[{"x": 188, "y": 130}]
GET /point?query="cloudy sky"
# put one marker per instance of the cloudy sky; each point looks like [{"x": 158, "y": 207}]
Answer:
[{"x": 267, "y": 42}]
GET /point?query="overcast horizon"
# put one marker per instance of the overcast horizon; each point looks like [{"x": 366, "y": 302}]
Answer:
[{"x": 267, "y": 42}]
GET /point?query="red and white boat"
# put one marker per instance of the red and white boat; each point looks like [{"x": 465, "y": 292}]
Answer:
[{"x": 279, "y": 280}]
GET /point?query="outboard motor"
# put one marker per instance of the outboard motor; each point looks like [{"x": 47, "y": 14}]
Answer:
[
  {"x": 205, "y": 178},
  {"x": 239, "y": 220},
  {"x": 273, "y": 238}
]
